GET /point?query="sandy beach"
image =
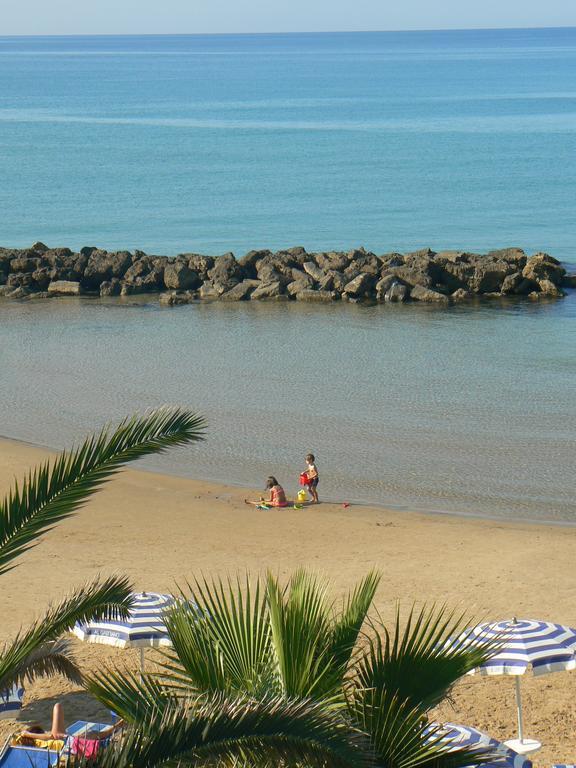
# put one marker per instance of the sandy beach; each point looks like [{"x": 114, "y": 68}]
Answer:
[{"x": 162, "y": 530}]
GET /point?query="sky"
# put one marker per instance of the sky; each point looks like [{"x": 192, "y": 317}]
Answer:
[{"x": 61, "y": 17}]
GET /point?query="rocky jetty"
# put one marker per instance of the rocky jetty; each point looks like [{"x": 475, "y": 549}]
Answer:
[{"x": 290, "y": 275}]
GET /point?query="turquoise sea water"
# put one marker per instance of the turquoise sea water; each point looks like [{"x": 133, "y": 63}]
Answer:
[{"x": 388, "y": 140}]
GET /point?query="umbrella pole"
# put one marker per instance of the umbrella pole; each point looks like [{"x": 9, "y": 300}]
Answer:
[
  {"x": 519, "y": 710},
  {"x": 141, "y": 661}
]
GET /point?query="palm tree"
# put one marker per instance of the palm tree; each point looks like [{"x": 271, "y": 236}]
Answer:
[
  {"x": 56, "y": 490},
  {"x": 256, "y": 647}
]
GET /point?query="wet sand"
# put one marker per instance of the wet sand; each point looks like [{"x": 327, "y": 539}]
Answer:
[{"x": 162, "y": 530}]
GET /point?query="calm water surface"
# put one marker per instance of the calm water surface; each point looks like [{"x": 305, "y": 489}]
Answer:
[
  {"x": 216, "y": 143},
  {"x": 469, "y": 410}
]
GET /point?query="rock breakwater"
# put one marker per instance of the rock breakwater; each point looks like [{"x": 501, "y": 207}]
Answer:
[{"x": 358, "y": 275}]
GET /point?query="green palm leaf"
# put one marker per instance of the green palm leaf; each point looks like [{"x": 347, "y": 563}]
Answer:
[
  {"x": 221, "y": 638},
  {"x": 347, "y": 625},
  {"x": 216, "y": 728},
  {"x": 401, "y": 738},
  {"x": 417, "y": 661},
  {"x": 33, "y": 652},
  {"x": 300, "y": 624},
  {"x": 57, "y": 488}
]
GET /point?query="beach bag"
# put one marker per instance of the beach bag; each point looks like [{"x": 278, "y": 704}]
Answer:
[
  {"x": 87, "y": 748},
  {"x": 304, "y": 478}
]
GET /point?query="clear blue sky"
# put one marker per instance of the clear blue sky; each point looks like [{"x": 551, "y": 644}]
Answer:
[{"x": 37, "y": 17}]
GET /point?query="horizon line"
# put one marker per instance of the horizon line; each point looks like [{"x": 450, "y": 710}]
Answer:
[{"x": 290, "y": 32}]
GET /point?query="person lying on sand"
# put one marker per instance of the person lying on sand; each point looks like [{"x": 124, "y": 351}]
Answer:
[
  {"x": 277, "y": 497},
  {"x": 57, "y": 732}
]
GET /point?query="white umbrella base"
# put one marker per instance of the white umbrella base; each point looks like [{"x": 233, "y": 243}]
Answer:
[{"x": 524, "y": 746}]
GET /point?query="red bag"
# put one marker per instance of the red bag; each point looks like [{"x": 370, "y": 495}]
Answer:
[{"x": 304, "y": 478}]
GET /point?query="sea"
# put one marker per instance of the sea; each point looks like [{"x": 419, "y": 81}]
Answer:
[{"x": 389, "y": 140}]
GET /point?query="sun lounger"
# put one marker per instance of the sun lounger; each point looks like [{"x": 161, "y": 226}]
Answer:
[{"x": 13, "y": 756}]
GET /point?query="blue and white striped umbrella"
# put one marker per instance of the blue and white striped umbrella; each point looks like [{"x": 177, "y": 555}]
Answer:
[
  {"x": 541, "y": 646},
  {"x": 465, "y": 736},
  {"x": 143, "y": 628},
  {"x": 11, "y": 701}
]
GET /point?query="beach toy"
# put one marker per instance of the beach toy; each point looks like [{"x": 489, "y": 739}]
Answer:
[
  {"x": 304, "y": 478},
  {"x": 302, "y": 495},
  {"x": 345, "y": 505}
]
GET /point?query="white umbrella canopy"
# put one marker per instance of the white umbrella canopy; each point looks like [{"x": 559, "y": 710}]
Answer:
[
  {"x": 143, "y": 628},
  {"x": 525, "y": 644}
]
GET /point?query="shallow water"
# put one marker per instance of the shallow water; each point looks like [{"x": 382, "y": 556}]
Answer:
[{"x": 468, "y": 410}]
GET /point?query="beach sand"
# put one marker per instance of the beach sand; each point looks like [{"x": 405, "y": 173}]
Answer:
[{"x": 162, "y": 530}]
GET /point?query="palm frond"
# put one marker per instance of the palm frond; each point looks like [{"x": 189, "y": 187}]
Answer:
[
  {"x": 418, "y": 661},
  {"x": 401, "y": 738},
  {"x": 47, "y": 660},
  {"x": 218, "y": 728},
  {"x": 300, "y": 624},
  {"x": 57, "y": 488},
  {"x": 108, "y": 598},
  {"x": 347, "y": 625},
  {"x": 221, "y": 638},
  {"x": 140, "y": 699}
]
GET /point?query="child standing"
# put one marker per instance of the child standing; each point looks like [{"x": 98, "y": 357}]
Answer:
[{"x": 312, "y": 473}]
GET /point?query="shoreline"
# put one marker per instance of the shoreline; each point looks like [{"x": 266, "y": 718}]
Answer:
[
  {"x": 162, "y": 530},
  {"x": 400, "y": 509}
]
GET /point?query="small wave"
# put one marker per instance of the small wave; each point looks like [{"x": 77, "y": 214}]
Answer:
[{"x": 547, "y": 123}]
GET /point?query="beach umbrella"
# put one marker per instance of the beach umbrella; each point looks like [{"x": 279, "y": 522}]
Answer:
[
  {"x": 143, "y": 628},
  {"x": 525, "y": 644},
  {"x": 10, "y": 701},
  {"x": 466, "y": 736}
]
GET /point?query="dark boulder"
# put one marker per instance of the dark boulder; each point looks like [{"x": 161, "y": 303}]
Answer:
[
  {"x": 489, "y": 275},
  {"x": 398, "y": 292},
  {"x": 511, "y": 282},
  {"x": 42, "y": 277},
  {"x": 102, "y": 266},
  {"x": 548, "y": 288},
  {"x": 226, "y": 272},
  {"x": 267, "y": 291},
  {"x": 419, "y": 293},
  {"x": 312, "y": 269},
  {"x": 333, "y": 261},
  {"x": 541, "y": 266},
  {"x": 25, "y": 264},
  {"x": 297, "y": 286},
  {"x": 461, "y": 294},
  {"x": 241, "y": 291},
  {"x": 360, "y": 286},
  {"x": 383, "y": 286},
  {"x": 178, "y": 276},
  {"x": 111, "y": 287},
  {"x": 20, "y": 280},
  {"x": 511, "y": 255},
  {"x": 199, "y": 263},
  {"x": 249, "y": 262}
]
